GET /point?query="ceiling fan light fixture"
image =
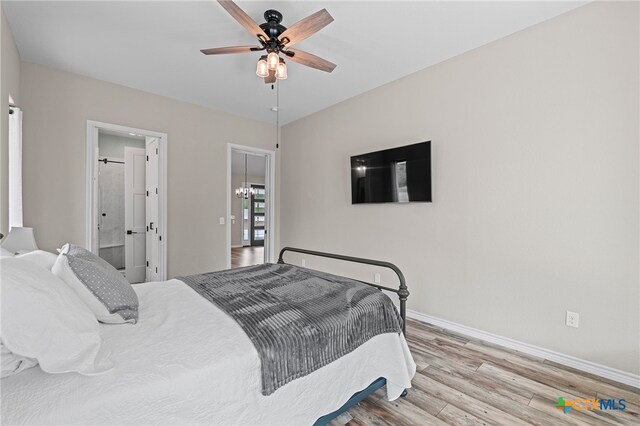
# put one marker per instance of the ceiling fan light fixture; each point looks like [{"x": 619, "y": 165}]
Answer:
[
  {"x": 262, "y": 70},
  {"x": 274, "y": 38},
  {"x": 273, "y": 59},
  {"x": 281, "y": 70}
]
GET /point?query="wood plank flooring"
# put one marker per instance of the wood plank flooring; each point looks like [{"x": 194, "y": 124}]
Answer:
[
  {"x": 246, "y": 256},
  {"x": 464, "y": 381}
]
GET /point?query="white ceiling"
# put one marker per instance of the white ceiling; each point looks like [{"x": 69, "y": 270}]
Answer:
[
  {"x": 126, "y": 135},
  {"x": 155, "y": 46},
  {"x": 255, "y": 164}
]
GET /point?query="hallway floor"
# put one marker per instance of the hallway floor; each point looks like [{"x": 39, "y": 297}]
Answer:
[{"x": 246, "y": 256}]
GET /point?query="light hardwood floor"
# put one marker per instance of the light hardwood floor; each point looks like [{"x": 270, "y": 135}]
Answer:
[
  {"x": 463, "y": 381},
  {"x": 246, "y": 256}
]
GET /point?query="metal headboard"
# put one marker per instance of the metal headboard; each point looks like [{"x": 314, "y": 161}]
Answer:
[{"x": 401, "y": 291}]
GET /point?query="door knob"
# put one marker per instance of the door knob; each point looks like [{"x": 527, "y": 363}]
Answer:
[{"x": 129, "y": 232}]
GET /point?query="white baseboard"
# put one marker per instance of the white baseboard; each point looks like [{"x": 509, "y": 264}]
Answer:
[
  {"x": 236, "y": 246},
  {"x": 568, "y": 360}
]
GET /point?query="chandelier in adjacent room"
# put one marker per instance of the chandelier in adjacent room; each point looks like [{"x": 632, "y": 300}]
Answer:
[{"x": 245, "y": 191}]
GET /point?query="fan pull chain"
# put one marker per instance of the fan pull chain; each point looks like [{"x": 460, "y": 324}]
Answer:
[{"x": 277, "y": 115}]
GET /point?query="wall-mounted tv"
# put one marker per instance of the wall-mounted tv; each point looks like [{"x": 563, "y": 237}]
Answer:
[{"x": 396, "y": 175}]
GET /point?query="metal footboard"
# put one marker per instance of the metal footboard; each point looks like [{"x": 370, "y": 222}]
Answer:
[{"x": 401, "y": 291}]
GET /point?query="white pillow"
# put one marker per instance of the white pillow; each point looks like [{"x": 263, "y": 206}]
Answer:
[
  {"x": 98, "y": 284},
  {"x": 12, "y": 363},
  {"x": 40, "y": 257},
  {"x": 42, "y": 318}
]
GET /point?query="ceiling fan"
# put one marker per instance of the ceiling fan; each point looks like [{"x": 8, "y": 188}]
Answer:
[{"x": 275, "y": 38}]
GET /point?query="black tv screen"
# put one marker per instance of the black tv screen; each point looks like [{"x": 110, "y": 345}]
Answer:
[{"x": 396, "y": 175}]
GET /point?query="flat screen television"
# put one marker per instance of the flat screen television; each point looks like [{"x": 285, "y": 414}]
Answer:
[{"x": 396, "y": 175}]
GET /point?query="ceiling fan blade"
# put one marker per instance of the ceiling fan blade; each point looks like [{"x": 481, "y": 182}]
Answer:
[
  {"x": 242, "y": 18},
  {"x": 230, "y": 49},
  {"x": 313, "y": 61},
  {"x": 306, "y": 27}
]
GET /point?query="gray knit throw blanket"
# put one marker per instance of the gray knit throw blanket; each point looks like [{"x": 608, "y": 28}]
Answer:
[{"x": 298, "y": 319}]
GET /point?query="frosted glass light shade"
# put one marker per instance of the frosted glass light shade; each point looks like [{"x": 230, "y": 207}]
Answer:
[
  {"x": 281, "y": 71},
  {"x": 273, "y": 60},
  {"x": 262, "y": 70}
]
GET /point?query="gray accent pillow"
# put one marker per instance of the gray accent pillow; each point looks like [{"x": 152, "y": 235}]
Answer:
[{"x": 107, "y": 293}]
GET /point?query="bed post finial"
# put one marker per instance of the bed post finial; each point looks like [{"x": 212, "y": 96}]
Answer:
[{"x": 403, "y": 294}]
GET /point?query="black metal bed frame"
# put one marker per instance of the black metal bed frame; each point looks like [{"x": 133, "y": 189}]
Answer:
[{"x": 401, "y": 291}]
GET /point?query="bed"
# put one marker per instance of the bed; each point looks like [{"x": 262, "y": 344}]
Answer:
[{"x": 186, "y": 362}]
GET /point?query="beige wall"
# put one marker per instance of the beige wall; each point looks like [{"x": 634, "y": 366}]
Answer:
[
  {"x": 57, "y": 106},
  {"x": 10, "y": 85},
  {"x": 535, "y": 183},
  {"x": 236, "y": 206}
]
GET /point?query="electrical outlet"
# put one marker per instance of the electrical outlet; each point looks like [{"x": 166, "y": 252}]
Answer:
[
  {"x": 304, "y": 262},
  {"x": 221, "y": 220},
  {"x": 376, "y": 278},
  {"x": 573, "y": 319}
]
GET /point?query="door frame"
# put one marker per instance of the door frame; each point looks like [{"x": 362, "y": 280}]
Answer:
[
  {"x": 91, "y": 191},
  {"x": 270, "y": 187}
]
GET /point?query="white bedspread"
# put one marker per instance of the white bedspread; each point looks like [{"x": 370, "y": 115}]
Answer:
[{"x": 187, "y": 362}]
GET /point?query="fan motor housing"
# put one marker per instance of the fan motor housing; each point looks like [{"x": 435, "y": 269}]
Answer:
[{"x": 272, "y": 27}]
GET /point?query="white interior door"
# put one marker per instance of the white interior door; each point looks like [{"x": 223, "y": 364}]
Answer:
[
  {"x": 135, "y": 214},
  {"x": 153, "y": 233}
]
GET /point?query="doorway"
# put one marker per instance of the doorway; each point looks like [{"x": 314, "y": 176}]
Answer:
[
  {"x": 251, "y": 177},
  {"x": 126, "y": 199}
]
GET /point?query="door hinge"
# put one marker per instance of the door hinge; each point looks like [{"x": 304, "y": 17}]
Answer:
[
  {"x": 156, "y": 191},
  {"x": 160, "y": 238},
  {"x": 147, "y": 263},
  {"x": 156, "y": 151},
  {"x": 147, "y": 158},
  {"x": 156, "y": 270},
  {"x": 147, "y": 193}
]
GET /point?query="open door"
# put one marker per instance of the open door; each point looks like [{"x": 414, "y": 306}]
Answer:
[
  {"x": 135, "y": 214},
  {"x": 153, "y": 233},
  {"x": 146, "y": 206},
  {"x": 251, "y": 220}
]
